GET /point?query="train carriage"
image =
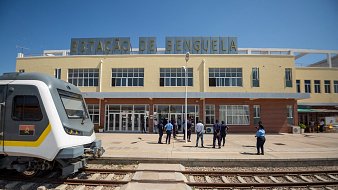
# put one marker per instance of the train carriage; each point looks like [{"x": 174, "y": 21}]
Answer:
[{"x": 44, "y": 124}]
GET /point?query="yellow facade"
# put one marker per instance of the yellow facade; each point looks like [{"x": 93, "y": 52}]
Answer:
[
  {"x": 271, "y": 68},
  {"x": 276, "y": 98},
  {"x": 322, "y": 74}
]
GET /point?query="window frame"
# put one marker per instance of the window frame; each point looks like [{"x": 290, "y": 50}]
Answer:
[
  {"x": 298, "y": 86},
  {"x": 84, "y": 77},
  {"x": 210, "y": 113},
  {"x": 288, "y": 77},
  {"x": 317, "y": 86},
  {"x": 327, "y": 86},
  {"x": 226, "y": 77},
  {"x": 335, "y": 86},
  {"x": 255, "y": 77},
  {"x": 175, "y": 77},
  {"x": 15, "y": 117},
  {"x": 127, "y": 77},
  {"x": 307, "y": 86},
  {"x": 94, "y": 111},
  {"x": 235, "y": 112}
]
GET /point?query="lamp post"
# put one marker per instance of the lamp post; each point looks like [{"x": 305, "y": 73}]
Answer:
[{"x": 187, "y": 55}]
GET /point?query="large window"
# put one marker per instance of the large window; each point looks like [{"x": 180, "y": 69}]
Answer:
[
  {"x": 317, "y": 86},
  {"x": 26, "y": 108},
  {"x": 298, "y": 85},
  {"x": 335, "y": 86},
  {"x": 307, "y": 86},
  {"x": 225, "y": 77},
  {"x": 94, "y": 112},
  {"x": 327, "y": 85},
  {"x": 83, "y": 77},
  {"x": 127, "y": 77},
  {"x": 175, "y": 77},
  {"x": 209, "y": 114},
  {"x": 288, "y": 77},
  {"x": 234, "y": 114},
  {"x": 255, "y": 77}
]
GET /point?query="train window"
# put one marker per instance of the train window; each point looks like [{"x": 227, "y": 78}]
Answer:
[
  {"x": 26, "y": 108},
  {"x": 73, "y": 104}
]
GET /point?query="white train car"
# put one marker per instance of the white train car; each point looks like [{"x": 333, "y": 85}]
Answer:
[{"x": 44, "y": 124}]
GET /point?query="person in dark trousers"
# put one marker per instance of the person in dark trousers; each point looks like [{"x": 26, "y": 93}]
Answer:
[
  {"x": 217, "y": 130},
  {"x": 260, "y": 135},
  {"x": 160, "y": 132},
  {"x": 173, "y": 122},
  {"x": 168, "y": 128},
  {"x": 189, "y": 130},
  {"x": 321, "y": 125},
  {"x": 224, "y": 131}
]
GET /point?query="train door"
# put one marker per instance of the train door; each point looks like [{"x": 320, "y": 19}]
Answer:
[
  {"x": 2, "y": 115},
  {"x": 25, "y": 117}
]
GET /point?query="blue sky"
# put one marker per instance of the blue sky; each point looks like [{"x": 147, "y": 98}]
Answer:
[{"x": 45, "y": 24}]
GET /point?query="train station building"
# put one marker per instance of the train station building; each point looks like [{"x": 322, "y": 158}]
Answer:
[{"x": 127, "y": 89}]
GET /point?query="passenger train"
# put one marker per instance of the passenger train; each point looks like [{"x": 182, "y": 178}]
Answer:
[{"x": 44, "y": 124}]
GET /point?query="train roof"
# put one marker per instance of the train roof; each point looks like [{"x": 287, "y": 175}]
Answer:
[{"x": 47, "y": 79}]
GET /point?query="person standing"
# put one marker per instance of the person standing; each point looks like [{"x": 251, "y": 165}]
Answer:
[
  {"x": 260, "y": 135},
  {"x": 312, "y": 126},
  {"x": 217, "y": 128},
  {"x": 224, "y": 131},
  {"x": 189, "y": 125},
  {"x": 321, "y": 125},
  {"x": 168, "y": 128},
  {"x": 173, "y": 122},
  {"x": 155, "y": 125},
  {"x": 160, "y": 132},
  {"x": 199, "y": 129}
]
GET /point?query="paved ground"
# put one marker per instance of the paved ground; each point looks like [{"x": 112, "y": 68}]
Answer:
[{"x": 238, "y": 146}]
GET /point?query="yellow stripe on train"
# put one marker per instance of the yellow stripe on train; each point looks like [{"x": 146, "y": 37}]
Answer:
[{"x": 30, "y": 143}]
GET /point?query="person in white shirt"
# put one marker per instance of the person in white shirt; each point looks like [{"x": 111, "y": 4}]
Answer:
[{"x": 199, "y": 129}]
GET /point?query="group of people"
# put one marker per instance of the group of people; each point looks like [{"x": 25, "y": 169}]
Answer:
[
  {"x": 170, "y": 127},
  {"x": 220, "y": 131}
]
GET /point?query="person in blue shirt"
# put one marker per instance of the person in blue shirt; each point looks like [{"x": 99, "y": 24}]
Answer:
[
  {"x": 260, "y": 135},
  {"x": 168, "y": 128}
]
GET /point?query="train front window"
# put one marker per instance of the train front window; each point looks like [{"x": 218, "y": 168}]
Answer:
[{"x": 73, "y": 104}]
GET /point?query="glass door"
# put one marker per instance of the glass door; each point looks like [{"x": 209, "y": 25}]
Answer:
[
  {"x": 127, "y": 122},
  {"x": 139, "y": 122},
  {"x": 114, "y": 122}
]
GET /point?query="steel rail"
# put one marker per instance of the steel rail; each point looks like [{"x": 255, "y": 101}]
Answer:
[
  {"x": 290, "y": 184},
  {"x": 193, "y": 172}
]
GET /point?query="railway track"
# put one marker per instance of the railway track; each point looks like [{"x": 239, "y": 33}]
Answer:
[{"x": 99, "y": 179}]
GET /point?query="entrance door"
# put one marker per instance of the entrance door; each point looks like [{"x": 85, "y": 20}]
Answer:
[
  {"x": 114, "y": 122},
  {"x": 139, "y": 122},
  {"x": 2, "y": 116},
  {"x": 127, "y": 122},
  {"x": 177, "y": 118}
]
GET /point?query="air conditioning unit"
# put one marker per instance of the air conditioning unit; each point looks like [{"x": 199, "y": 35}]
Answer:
[
  {"x": 295, "y": 129},
  {"x": 209, "y": 130}
]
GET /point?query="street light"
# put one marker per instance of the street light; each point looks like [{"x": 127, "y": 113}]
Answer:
[{"x": 187, "y": 55}]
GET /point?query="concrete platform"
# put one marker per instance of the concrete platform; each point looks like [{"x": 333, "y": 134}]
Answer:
[
  {"x": 238, "y": 148},
  {"x": 151, "y": 186},
  {"x": 147, "y": 176},
  {"x": 160, "y": 167}
]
